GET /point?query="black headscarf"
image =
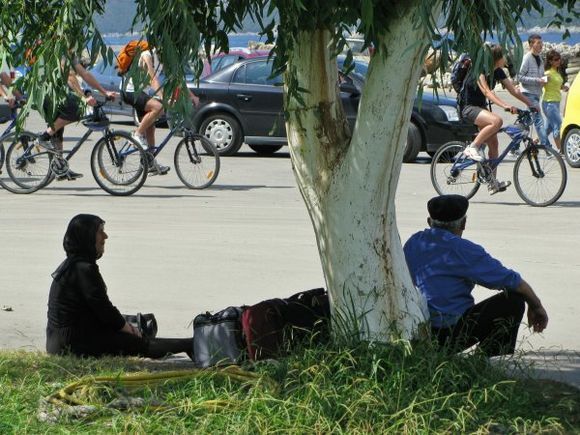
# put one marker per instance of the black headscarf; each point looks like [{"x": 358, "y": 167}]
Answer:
[{"x": 79, "y": 241}]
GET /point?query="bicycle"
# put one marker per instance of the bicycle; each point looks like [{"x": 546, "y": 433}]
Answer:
[
  {"x": 7, "y": 133},
  {"x": 196, "y": 159},
  {"x": 33, "y": 165},
  {"x": 539, "y": 172}
]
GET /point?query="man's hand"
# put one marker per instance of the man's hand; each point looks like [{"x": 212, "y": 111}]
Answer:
[
  {"x": 110, "y": 95},
  {"x": 537, "y": 318},
  {"x": 90, "y": 100}
]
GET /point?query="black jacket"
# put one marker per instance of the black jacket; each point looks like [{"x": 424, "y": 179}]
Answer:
[{"x": 78, "y": 306}]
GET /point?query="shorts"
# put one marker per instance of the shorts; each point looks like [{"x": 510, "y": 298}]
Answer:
[
  {"x": 138, "y": 102},
  {"x": 70, "y": 110},
  {"x": 470, "y": 113}
]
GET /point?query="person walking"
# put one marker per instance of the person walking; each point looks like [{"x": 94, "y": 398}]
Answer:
[
  {"x": 552, "y": 96},
  {"x": 446, "y": 267},
  {"x": 532, "y": 81}
]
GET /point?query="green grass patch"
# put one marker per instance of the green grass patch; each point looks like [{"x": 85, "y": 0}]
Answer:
[{"x": 341, "y": 389}]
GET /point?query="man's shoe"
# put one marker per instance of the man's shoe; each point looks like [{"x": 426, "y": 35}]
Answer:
[
  {"x": 498, "y": 186},
  {"x": 157, "y": 169},
  {"x": 69, "y": 175},
  {"x": 515, "y": 152},
  {"x": 141, "y": 140},
  {"x": 474, "y": 153}
]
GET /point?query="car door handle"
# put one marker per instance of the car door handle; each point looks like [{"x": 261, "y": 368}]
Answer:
[{"x": 244, "y": 97}]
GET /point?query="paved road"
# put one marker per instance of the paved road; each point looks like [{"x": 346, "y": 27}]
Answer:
[{"x": 178, "y": 252}]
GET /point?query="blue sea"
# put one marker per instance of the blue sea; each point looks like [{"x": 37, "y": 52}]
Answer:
[{"x": 241, "y": 40}]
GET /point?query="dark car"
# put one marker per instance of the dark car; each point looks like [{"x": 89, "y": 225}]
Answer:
[
  {"x": 242, "y": 103},
  {"x": 220, "y": 61}
]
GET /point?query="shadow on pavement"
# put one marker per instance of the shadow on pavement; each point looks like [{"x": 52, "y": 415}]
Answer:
[{"x": 560, "y": 365}]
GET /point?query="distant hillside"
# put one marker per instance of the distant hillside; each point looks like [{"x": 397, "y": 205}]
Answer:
[{"x": 119, "y": 15}]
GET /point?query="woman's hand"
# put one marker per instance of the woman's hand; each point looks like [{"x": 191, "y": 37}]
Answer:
[{"x": 130, "y": 329}]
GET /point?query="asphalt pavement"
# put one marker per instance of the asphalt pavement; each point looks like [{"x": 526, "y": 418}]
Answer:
[{"x": 179, "y": 252}]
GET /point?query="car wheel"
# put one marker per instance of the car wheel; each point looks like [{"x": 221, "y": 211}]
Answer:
[
  {"x": 224, "y": 132},
  {"x": 572, "y": 147},
  {"x": 265, "y": 150},
  {"x": 413, "y": 144}
]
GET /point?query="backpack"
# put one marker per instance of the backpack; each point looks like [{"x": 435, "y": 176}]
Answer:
[
  {"x": 459, "y": 73},
  {"x": 128, "y": 53},
  {"x": 272, "y": 328}
]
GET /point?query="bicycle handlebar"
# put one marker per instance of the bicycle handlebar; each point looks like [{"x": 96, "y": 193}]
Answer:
[{"x": 522, "y": 111}]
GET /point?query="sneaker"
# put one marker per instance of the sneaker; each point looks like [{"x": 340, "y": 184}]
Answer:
[
  {"x": 515, "y": 152},
  {"x": 154, "y": 167},
  {"x": 498, "y": 186},
  {"x": 141, "y": 140},
  {"x": 69, "y": 175},
  {"x": 474, "y": 153}
]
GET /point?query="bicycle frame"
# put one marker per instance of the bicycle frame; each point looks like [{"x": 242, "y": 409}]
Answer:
[{"x": 494, "y": 163}]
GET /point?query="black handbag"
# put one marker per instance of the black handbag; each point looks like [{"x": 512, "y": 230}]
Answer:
[
  {"x": 145, "y": 323},
  {"x": 217, "y": 338}
]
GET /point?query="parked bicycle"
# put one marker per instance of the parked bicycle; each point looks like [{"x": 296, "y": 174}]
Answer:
[
  {"x": 32, "y": 165},
  {"x": 196, "y": 159},
  {"x": 539, "y": 172}
]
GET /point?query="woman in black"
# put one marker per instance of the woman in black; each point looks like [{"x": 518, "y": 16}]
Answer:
[
  {"x": 81, "y": 318},
  {"x": 473, "y": 109}
]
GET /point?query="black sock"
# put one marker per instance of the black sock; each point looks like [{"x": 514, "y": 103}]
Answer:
[{"x": 45, "y": 136}]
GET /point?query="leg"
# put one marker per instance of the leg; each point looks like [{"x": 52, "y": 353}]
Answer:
[
  {"x": 493, "y": 323},
  {"x": 489, "y": 124},
  {"x": 152, "y": 110},
  {"x": 553, "y": 120},
  {"x": 538, "y": 119}
]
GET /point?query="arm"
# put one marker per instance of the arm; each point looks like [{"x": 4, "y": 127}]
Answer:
[
  {"x": 524, "y": 76},
  {"x": 148, "y": 64},
  {"x": 537, "y": 316},
  {"x": 91, "y": 81},
  {"x": 489, "y": 94},
  {"x": 516, "y": 92},
  {"x": 94, "y": 291}
]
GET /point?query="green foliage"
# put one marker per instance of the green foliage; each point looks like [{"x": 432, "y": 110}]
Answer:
[
  {"x": 178, "y": 29},
  {"x": 361, "y": 388}
]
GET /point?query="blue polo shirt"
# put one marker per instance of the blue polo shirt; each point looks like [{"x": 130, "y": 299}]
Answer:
[{"x": 446, "y": 267}]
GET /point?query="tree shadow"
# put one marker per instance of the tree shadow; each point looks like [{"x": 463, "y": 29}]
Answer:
[{"x": 562, "y": 365}]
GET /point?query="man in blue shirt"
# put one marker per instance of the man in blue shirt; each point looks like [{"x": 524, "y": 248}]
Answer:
[{"x": 446, "y": 267}]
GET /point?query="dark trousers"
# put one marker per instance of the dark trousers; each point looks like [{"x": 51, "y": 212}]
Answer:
[{"x": 493, "y": 323}]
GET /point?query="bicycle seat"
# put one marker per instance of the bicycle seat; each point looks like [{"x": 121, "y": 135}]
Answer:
[{"x": 96, "y": 124}]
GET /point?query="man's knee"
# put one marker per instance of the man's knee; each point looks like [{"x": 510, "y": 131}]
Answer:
[{"x": 497, "y": 123}]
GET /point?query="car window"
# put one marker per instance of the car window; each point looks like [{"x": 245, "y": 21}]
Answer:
[
  {"x": 228, "y": 60},
  {"x": 256, "y": 73}
]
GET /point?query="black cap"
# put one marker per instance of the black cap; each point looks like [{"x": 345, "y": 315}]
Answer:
[{"x": 447, "y": 208}]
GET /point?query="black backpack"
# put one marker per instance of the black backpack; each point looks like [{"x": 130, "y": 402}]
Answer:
[{"x": 458, "y": 74}]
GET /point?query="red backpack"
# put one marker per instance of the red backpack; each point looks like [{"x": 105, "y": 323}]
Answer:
[{"x": 128, "y": 53}]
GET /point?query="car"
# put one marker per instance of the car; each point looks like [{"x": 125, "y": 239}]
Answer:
[
  {"x": 244, "y": 103},
  {"x": 221, "y": 60},
  {"x": 570, "y": 130}
]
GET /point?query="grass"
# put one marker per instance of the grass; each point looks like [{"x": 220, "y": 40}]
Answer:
[{"x": 340, "y": 389}]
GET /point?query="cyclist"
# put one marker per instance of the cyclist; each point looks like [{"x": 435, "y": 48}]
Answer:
[
  {"x": 148, "y": 107},
  {"x": 10, "y": 95},
  {"x": 70, "y": 111},
  {"x": 474, "y": 99}
]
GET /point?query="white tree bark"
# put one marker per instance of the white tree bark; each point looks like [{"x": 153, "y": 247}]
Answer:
[{"x": 349, "y": 181}]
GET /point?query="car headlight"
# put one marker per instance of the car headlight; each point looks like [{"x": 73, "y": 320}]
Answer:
[{"x": 450, "y": 113}]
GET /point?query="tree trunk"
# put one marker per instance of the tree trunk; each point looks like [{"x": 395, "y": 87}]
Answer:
[{"x": 349, "y": 181}]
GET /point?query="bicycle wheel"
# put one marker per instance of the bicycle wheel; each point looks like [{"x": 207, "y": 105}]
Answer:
[
  {"x": 197, "y": 161},
  {"x": 27, "y": 164},
  {"x": 540, "y": 176},
  {"x": 452, "y": 172},
  {"x": 119, "y": 164}
]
